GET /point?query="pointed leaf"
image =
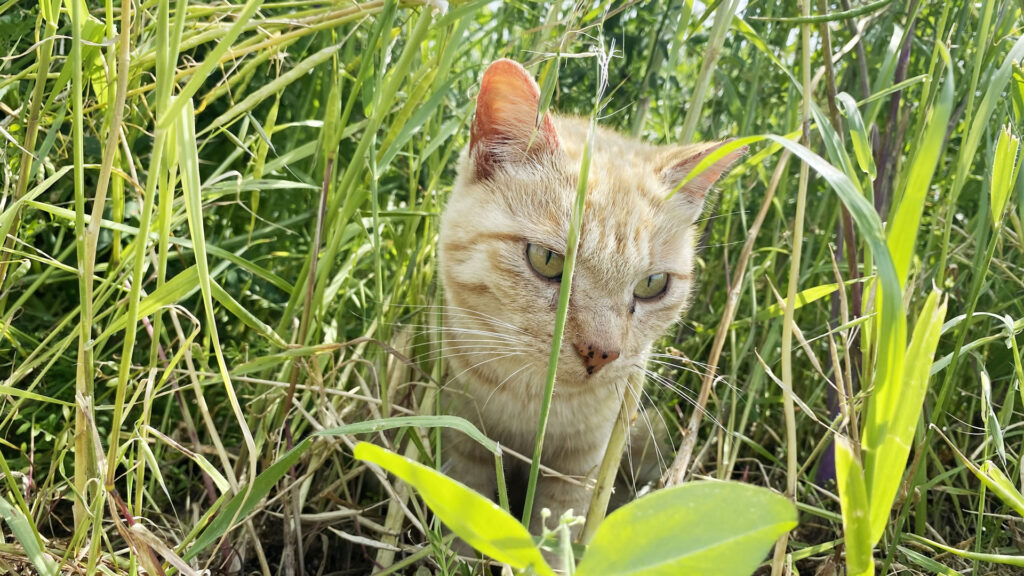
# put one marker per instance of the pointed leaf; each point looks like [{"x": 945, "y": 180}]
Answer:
[
  {"x": 858, "y": 134},
  {"x": 853, "y": 497},
  {"x": 893, "y": 416},
  {"x": 700, "y": 528},
  {"x": 475, "y": 519},
  {"x": 1004, "y": 172},
  {"x": 906, "y": 218},
  {"x": 28, "y": 536}
]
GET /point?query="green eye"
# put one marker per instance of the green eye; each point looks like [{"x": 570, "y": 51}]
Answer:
[
  {"x": 651, "y": 287},
  {"x": 547, "y": 263}
]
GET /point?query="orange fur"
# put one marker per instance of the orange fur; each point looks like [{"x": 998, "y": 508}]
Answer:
[{"x": 516, "y": 185}]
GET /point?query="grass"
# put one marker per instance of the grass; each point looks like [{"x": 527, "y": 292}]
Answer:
[{"x": 218, "y": 238}]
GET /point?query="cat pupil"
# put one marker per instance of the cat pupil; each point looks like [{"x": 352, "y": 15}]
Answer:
[{"x": 547, "y": 260}]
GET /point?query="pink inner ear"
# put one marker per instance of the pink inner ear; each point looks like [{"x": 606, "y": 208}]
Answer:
[
  {"x": 686, "y": 159},
  {"x": 506, "y": 115}
]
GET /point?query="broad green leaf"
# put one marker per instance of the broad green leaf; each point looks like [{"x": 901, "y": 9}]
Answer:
[
  {"x": 895, "y": 411},
  {"x": 479, "y": 522},
  {"x": 1004, "y": 172},
  {"x": 699, "y": 528},
  {"x": 28, "y": 537},
  {"x": 853, "y": 497},
  {"x": 858, "y": 134},
  {"x": 906, "y": 218}
]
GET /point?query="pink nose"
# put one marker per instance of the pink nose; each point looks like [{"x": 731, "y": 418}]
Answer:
[{"x": 594, "y": 357}]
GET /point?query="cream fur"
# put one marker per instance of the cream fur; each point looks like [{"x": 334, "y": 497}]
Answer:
[{"x": 501, "y": 314}]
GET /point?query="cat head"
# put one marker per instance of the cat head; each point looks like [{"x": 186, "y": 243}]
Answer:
[{"x": 505, "y": 229}]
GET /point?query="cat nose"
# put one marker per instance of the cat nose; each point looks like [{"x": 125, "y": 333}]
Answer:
[{"x": 594, "y": 357}]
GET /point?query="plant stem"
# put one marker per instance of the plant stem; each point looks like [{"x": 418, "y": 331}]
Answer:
[
  {"x": 572, "y": 245},
  {"x": 794, "y": 278}
]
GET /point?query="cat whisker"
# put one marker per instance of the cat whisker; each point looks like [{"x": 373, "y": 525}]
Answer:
[
  {"x": 677, "y": 356},
  {"x": 509, "y": 377},
  {"x": 495, "y": 330},
  {"x": 673, "y": 362},
  {"x": 720, "y": 215},
  {"x": 664, "y": 423},
  {"x": 641, "y": 414},
  {"x": 469, "y": 313},
  {"x": 682, "y": 393},
  {"x": 452, "y": 330},
  {"x": 481, "y": 363},
  {"x": 445, "y": 341},
  {"x": 690, "y": 369},
  {"x": 470, "y": 350}
]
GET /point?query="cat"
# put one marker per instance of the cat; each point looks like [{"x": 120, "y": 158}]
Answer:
[{"x": 502, "y": 242}]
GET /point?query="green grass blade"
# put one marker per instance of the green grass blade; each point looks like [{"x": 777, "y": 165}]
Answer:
[
  {"x": 858, "y": 134},
  {"x": 906, "y": 218},
  {"x": 853, "y": 497},
  {"x": 28, "y": 536},
  {"x": 200, "y": 75},
  {"x": 894, "y": 414},
  {"x": 1004, "y": 559},
  {"x": 1005, "y": 166}
]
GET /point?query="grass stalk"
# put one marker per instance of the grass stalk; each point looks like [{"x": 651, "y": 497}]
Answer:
[
  {"x": 44, "y": 51},
  {"x": 85, "y": 465},
  {"x": 572, "y": 245},
  {"x": 792, "y": 466},
  {"x": 612, "y": 458},
  {"x": 120, "y": 73},
  {"x": 723, "y": 17}
]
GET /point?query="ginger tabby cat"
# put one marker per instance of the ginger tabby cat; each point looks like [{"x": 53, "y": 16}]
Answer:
[{"x": 502, "y": 238}]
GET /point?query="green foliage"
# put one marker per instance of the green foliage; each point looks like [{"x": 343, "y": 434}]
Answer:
[
  {"x": 217, "y": 242},
  {"x": 474, "y": 518},
  {"x": 27, "y": 535},
  {"x": 699, "y": 528}
]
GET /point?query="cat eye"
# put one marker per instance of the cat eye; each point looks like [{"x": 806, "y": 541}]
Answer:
[
  {"x": 545, "y": 262},
  {"x": 651, "y": 287}
]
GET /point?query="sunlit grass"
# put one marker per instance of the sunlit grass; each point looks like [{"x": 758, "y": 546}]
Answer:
[{"x": 219, "y": 238}]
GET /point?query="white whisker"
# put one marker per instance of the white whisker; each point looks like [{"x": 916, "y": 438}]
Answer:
[{"x": 507, "y": 378}]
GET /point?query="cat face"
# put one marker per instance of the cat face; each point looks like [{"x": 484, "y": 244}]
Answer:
[{"x": 505, "y": 230}]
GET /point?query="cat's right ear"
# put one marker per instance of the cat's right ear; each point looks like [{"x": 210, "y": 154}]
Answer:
[{"x": 505, "y": 128}]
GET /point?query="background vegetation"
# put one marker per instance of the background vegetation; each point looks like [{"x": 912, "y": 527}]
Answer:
[{"x": 217, "y": 217}]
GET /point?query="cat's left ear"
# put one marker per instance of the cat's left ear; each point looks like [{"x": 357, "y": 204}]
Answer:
[{"x": 677, "y": 164}]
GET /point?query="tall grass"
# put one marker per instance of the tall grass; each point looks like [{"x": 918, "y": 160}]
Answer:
[{"x": 218, "y": 225}]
